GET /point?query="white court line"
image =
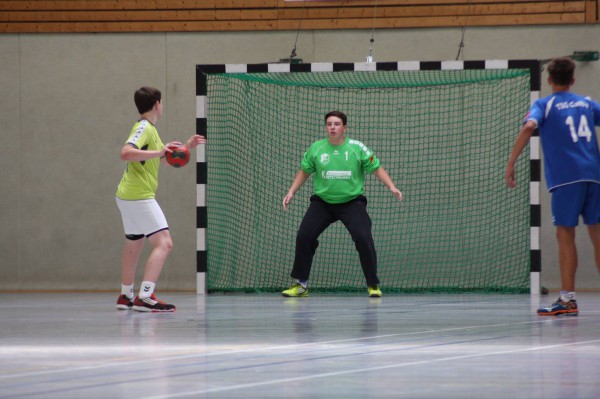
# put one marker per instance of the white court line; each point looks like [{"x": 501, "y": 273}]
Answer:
[
  {"x": 362, "y": 370},
  {"x": 235, "y": 352}
]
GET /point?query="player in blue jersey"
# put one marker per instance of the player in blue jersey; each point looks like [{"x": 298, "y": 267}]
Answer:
[{"x": 566, "y": 123}]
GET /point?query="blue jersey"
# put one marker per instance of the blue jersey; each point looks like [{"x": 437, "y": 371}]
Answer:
[{"x": 566, "y": 123}]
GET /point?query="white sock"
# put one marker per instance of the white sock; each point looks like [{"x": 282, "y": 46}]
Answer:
[
  {"x": 127, "y": 290},
  {"x": 146, "y": 289},
  {"x": 304, "y": 283},
  {"x": 567, "y": 296}
]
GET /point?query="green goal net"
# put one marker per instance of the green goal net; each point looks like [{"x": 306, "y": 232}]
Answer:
[{"x": 444, "y": 137}]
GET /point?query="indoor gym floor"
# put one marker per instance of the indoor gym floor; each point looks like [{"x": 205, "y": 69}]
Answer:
[{"x": 77, "y": 345}]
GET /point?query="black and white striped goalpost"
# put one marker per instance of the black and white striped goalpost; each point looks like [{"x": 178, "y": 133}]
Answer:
[{"x": 202, "y": 71}]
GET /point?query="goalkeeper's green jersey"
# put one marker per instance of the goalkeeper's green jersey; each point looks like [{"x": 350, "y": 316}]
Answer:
[
  {"x": 339, "y": 170},
  {"x": 140, "y": 180}
]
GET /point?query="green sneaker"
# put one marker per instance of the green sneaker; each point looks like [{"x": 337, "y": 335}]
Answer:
[
  {"x": 374, "y": 291},
  {"x": 296, "y": 290}
]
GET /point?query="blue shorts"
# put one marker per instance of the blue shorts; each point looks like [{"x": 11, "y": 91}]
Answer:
[{"x": 571, "y": 200}]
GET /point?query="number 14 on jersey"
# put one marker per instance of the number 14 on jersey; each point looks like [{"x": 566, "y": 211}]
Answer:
[{"x": 583, "y": 130}]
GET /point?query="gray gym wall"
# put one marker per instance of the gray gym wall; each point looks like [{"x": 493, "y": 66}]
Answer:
[{"x": 67, "y": 106}]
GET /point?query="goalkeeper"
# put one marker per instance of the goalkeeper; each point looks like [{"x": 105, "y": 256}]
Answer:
[{"x": 339, "y": 165}]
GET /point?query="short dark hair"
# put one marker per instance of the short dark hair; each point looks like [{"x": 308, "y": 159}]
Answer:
[
  {"x": 145, "y": 98},
  {"x": 338, "y": 114},
  {"x": 561, "y": 70}
]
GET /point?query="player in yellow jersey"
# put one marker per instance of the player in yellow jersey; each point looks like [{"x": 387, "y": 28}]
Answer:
[
  {"x": 338, "y": 165},
  {"x": 141, "y": 214}
]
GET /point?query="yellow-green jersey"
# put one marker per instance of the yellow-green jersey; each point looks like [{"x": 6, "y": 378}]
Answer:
[
  {"x": 140, "y": 179},
  {"x": 339, "y": 170}
]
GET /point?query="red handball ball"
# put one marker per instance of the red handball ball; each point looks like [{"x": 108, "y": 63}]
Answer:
[{"x": 179, "y": 157}]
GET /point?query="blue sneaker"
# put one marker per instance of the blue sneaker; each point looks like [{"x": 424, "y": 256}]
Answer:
[{"x": 560, "y": 307}]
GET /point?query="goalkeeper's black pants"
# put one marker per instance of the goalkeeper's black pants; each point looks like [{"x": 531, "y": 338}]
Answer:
[{"x": 318, "y": 217}]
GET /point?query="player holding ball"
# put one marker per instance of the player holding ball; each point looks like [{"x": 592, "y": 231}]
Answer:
[{"x": 142, "y": 216}]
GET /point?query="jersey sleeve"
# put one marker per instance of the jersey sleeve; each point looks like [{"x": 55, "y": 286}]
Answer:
[
  {"x": 370, "y": 163},
  {"x": 138, "y": 136},
  {"x": 536, "y": 113},
  {"x": 308, "y": 163}
]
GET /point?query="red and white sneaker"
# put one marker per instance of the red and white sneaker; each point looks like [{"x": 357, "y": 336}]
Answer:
[
  {"x": 152, "y": 304},
  {"x": 124, "y": 302}
]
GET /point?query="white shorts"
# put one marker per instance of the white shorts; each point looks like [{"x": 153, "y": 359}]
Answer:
[{"x": 141, "y": 218}]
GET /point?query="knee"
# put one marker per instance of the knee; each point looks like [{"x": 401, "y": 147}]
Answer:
[
  {"x": 362, "y": 238},
  {"x": 565, "y": 234},
  {"x": 165, "y": 244},
  {"x": 305, "y": 239},
  {"x": 168, "y": 245},
  {"x": 304, "y": 235}
]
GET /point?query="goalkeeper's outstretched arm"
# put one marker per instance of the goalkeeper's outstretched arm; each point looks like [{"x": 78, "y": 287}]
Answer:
[
  {"x": 299, "y": 180},
  {"x": 383, "y": 176}
]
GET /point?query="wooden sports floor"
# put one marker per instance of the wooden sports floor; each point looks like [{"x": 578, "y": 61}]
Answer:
[{"x": 77, "y": 345}]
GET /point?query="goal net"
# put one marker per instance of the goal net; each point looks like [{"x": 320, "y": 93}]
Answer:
[{"x": 444, "y": 137}]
